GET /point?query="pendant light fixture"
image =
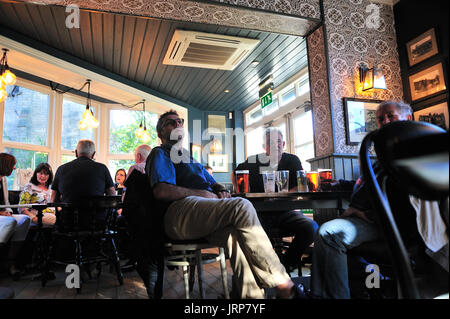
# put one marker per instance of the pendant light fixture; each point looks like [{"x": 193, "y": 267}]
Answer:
[
  {"x": 141, "y": 132},
  {"x": 6, "y": 76},
  {"x": 88, "y": 121}
]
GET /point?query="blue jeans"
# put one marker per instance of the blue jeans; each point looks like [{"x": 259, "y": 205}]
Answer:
[{"x": 329, "y": 273}]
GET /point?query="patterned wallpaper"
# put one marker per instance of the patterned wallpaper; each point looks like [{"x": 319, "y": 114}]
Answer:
[
  {"x": 303, "y": 8},
  {"x": 351, "y": 41},
  {"x": 323, "y": 132},
  {"x": 218, "y": 14}
]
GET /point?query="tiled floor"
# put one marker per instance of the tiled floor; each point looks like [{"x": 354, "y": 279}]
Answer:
[{"x": 107, "y": 286}]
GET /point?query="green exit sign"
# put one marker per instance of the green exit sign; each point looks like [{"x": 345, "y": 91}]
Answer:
[{"x": 266, "y": 100}]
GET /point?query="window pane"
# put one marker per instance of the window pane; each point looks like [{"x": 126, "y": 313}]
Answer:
[
  {"x": 305, "y": 152},
  {"x": 71, "y": 134},
  {"x": 25, "y": 159},
  {"x": 123, "y": 124},
  {"x": 303, "y": 129},
  {"x": 114, "y": 165},
  {"x": 288, "y": 96},
  {"x": 255, "y": 141},
  {"x": 272, "y": 107},
  {"x": 26, "y": 116},
  {"x": 254, "y": 115},
  {"x": 67, "y": 158},
  {"x": 303, "y": 87}
]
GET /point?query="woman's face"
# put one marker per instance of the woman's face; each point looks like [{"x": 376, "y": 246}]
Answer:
[
  {"x": 120, "y": 177},
  {"x": 42, "y": 177}
]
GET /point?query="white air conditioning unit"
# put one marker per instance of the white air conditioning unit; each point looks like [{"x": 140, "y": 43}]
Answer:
[{"x": 207, "y": 50}]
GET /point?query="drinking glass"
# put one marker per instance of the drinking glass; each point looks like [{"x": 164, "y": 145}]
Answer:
[
  {"x": 242, "y": 181},
  {"x": 325, "y": 179},
  {"x": 283, "y": 181},
  {"x": 302, "y": 181},
  {"x": 269, "y": 181},
  {"x": 313, "y": 181}
]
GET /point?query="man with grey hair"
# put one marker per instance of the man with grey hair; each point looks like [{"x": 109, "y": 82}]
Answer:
[
  {"x": 289, "y": 223},
  {"x": 82, "y": 177},
  {"x": 329, "y": 273},
  {"x": 140, "y": 157}
]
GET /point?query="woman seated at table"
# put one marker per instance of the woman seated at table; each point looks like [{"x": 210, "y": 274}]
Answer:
[
  {"x": 37, "y": 191},
  {"x": 120, "y": 178},
  {"x": 13, "y": 228}
]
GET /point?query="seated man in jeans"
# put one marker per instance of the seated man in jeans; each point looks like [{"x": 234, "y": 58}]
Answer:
[
  {"x": 198, "y": 207},
  {"x": 329, "y": 273},
  {"x": 289, "y": 222}
]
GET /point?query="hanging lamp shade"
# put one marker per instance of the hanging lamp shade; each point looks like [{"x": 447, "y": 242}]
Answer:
[{"x": 88, "y": 121}]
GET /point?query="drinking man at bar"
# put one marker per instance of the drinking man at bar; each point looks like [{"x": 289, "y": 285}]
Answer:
[
  {"x": 329, "y": 273},
  {"x": 288, "y": 222},
  {"x": 198, "y": 207}
]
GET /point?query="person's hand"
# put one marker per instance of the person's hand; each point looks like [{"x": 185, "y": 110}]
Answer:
[
  {"x": 224, "y": 194},
  {"x": 351, "y": 211},
  {"x": 206, "y": 194},
  {"x": 5, "y": 213}
]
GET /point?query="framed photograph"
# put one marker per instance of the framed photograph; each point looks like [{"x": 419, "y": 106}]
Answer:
[
  {"x": 217, "y": 123},
  {"x": 360, "y": 118},
  {"x": 218, "y": 162},
  {"x": 427, "y": 82},
  {"x": 435, "y": 114},
  {"x": 196, "y": 152},
  {"x": 422, "y": 47}
]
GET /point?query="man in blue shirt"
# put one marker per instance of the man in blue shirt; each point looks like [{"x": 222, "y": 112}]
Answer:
[{"x": 198, "y": 207}]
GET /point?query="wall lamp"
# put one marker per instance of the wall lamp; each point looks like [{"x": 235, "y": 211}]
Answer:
[{"x": 372, "y": 78}]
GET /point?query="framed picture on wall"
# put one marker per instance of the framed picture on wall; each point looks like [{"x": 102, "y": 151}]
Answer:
[
  {"x": 217, "y": 123},
  {"x": 360, "y": 118},
  {"x": 196, "y": 152},
  {"x": 218, "y": 162},
  {"x": 435, "y": 114},
  {"x": 427, "y": 82},
  {"x": 422, "y": 47}
]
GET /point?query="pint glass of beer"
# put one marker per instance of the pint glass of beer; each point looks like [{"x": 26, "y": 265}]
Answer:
[
  {"x": 325, "y": 179},
  {"x": 313, "y": 181},
  {"x": 242, "y": 181},
  {"x": 302, "y": 181}
]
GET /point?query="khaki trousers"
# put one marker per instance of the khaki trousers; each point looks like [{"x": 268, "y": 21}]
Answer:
[{"x": 231, "y": 223}]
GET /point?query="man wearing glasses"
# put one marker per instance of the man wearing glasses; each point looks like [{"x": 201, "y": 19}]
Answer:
[{"x": 198, "y": 207}]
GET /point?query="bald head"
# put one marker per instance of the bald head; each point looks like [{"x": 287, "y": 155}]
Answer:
[
  {"x": 141, "y": 153},
  {"x": 85, "y": 148}
]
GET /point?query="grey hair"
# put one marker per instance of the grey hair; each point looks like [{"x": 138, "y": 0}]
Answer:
[
  {"x": 85, "y": 147},
  {"x": 403, "y": 107},
  {"x": 272, "y": 130},
  {"x": 144, "y": 150}
]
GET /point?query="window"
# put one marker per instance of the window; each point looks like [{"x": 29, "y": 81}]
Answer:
[
  {"x": 255, "y": 141},
  {"x": 303, "y": 87},
  {"x": 122, "y": 125},
  {"x": 303, "y": 138},
  {"x": 71, "y": 134},
  {"x": 114, "y": 165},
  {"x": 67, "y": 158},
  {"x": 272, "y": 107},
  {"x": 25, "y": 159},
  {"x": 26, "y": 116},
  {"x": 288, "y": 96},
  {"x": 254, "y": 115}
]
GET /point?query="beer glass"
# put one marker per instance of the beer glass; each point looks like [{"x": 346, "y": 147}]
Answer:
[
  {"x": 242, "y": 181},
  {"x": 302, "y": 182},
  {"x": 325, "y": 179},
  {"x": 283, "y": 181},
  {"x": 269, "y": 181},
  {"x": 313, "y": 181}
]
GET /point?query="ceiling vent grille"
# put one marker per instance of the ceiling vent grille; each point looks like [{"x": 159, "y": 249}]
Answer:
[{"x": 206, "y": 50}]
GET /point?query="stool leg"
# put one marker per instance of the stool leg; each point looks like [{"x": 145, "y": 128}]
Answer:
[
  {"x": 186, "y": 281},
  {"x": 198, "y": 257},
  {"x": 191, "y": 277},
  {"x": 223, "y": 271}
]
